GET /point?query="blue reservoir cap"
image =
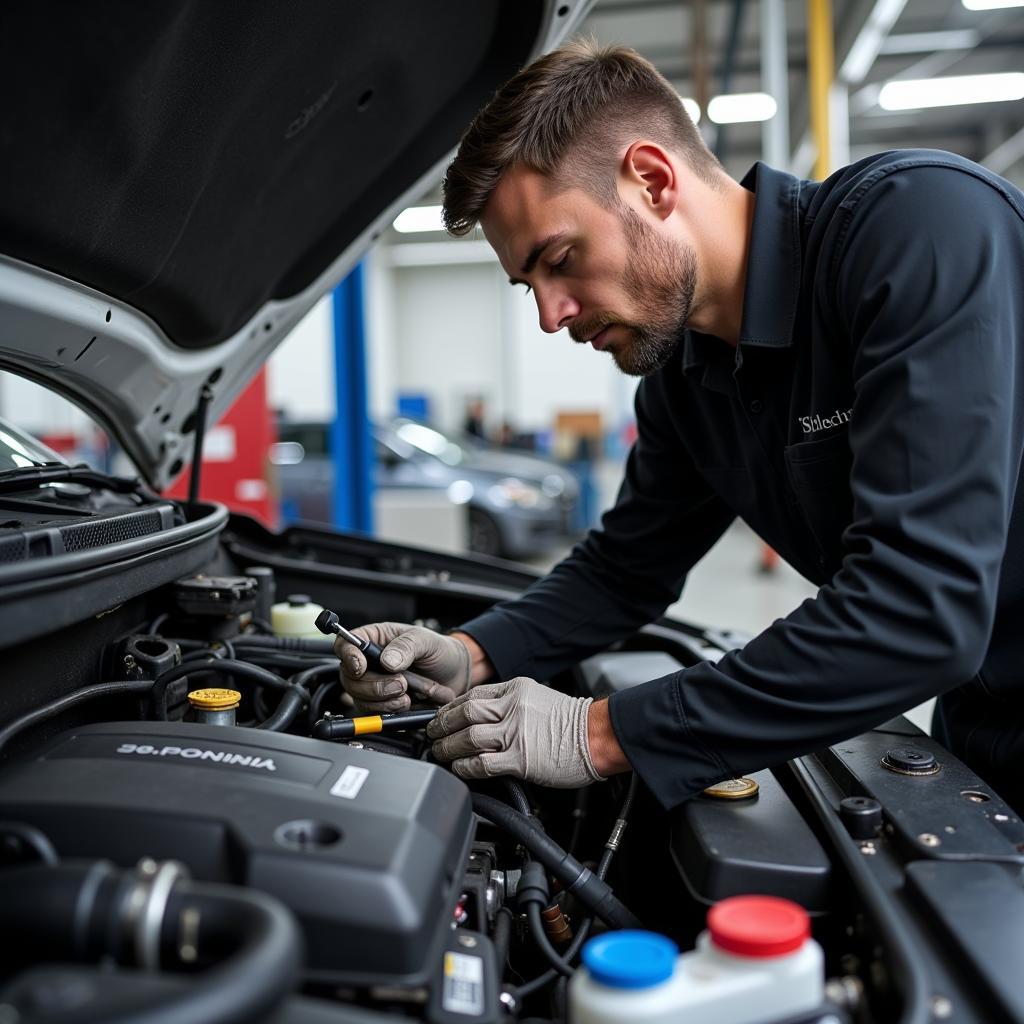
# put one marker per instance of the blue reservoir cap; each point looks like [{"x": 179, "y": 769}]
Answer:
[{"x": 630, "y": 959}]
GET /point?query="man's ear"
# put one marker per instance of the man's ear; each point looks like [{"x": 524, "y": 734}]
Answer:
[{"x": 648, "y": 166}]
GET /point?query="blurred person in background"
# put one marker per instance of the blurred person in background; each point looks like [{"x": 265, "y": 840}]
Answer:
[{"x": 475, "y": 421}]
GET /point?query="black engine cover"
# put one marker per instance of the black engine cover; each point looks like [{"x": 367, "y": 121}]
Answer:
[{"x": 364, "y": 847}]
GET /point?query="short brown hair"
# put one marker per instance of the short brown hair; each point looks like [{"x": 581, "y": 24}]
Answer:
[{"x": 571, "y": 109}]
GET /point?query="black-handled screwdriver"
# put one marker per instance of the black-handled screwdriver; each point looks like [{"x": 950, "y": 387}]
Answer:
[{"x": 328, "y": 622}]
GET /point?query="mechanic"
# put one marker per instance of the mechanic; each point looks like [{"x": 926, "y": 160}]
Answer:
[{"x": 838, "y": 363}]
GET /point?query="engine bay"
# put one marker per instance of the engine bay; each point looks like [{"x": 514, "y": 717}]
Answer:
[{"x": 158, "y": 852}]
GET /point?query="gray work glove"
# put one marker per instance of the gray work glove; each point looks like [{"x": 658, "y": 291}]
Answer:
[
  {"x": 519, "y": 727},
  {"x": 442, "y": 667}
]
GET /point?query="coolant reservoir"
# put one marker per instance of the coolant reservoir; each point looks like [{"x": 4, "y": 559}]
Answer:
[
  {"x": 755, "y": 963},
  {"x": 296, "y": 617}
]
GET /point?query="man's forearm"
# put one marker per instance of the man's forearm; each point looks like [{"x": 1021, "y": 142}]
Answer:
[
  {"x": 481, "y": 668},
  {"x": 606, "y": 755}
]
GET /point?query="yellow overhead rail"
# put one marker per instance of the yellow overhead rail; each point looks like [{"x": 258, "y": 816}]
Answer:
[{"x": 821, "y": 71}]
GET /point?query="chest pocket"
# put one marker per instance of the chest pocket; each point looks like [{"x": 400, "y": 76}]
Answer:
[{"x": 819, "y": 473}]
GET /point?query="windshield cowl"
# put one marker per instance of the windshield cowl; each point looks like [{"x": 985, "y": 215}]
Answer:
[{"x": 19, "y": 451}]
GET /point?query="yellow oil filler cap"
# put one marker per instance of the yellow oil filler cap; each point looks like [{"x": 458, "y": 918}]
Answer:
[
  {"x": 214, "y": 699},
  {"x": 733, "y": 789}
]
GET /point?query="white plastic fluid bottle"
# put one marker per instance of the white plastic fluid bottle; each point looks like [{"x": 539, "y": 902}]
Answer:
[
  {"x": 296, "y": 617},
  {"x": 755, "y": 963}
]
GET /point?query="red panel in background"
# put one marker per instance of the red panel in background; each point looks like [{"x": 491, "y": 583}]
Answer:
[{"x": 236, "y": 462}]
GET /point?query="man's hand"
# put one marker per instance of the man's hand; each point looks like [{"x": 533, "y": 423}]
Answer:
[
  {"x": 519, "y": 728},
  {"x": 442, "y": 667}
]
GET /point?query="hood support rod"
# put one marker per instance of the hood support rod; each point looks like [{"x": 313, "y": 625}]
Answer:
[{"x": 196, "y": 472}]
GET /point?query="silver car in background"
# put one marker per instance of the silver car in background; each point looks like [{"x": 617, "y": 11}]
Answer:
[{"x": 518, "y": 504}]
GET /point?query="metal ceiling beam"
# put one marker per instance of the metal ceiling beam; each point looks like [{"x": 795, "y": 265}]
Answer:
[
  {"x": 934, "y": 64},
  {"x": 675, "y": 67},
  {"x": 630, "y": 7},
  {"x": 1006, "y": 154},
  {"x": 868, "y": 41},
  {"x": 698, "y": 55},
  {"x": 728, "y": 61},
  {"x": 775, "y": 82}
]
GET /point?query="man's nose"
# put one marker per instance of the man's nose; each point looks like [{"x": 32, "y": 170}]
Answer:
[{"x": 556, "y": 310}]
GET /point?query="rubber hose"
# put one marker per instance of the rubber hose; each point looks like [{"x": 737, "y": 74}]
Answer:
[
  {"x": 262, "y": 970},
  {"x": 312, "y": 645},
  {"x": 540, "y": 937},
  {"x": 307, "y": 675},
  {"x": 36, "y": 840},
  {"x": 289, "y": 708},
  {"x": 290, "y": 663},
  {"x": 227, "y": 666},
  {"x": 517, "y": 795},
  {"x": 501, "y": 937},
  {"x": 77, "y": 912},
  {"x": 70, "y": 700},
  {"x": 583, "y": 931},
  {"x": 317, "y": 703},
  {"x": 590, "y": 890},
  {"x": 295, "y": 699}
]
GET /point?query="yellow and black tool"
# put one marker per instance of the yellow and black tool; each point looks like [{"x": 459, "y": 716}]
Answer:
[{"x": 368, "y": 725}]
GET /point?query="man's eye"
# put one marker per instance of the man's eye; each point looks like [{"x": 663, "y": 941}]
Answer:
[{"x": 561, "y": 264}]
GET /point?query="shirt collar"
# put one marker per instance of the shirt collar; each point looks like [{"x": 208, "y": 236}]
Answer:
[
  {"x": 773, "y": 268},
  {"x": 774, "y": 258}
]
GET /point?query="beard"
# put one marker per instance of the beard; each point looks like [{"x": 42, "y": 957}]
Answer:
[{"x": 660, "y": 279}]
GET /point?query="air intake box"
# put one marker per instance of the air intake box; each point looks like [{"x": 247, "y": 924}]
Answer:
[{"x": 364, "y": 847}]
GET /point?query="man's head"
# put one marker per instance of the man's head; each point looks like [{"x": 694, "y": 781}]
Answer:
[{"x": 573, "y": 171}]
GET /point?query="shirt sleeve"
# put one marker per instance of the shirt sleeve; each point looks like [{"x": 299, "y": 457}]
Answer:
[
  {"x": 622, "y": 575},
  {"x": 927, "y": 286}
]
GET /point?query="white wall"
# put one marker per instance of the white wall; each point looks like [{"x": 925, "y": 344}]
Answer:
[
  {"x": 554, "y": 374},
  {"x": 300, "y": 374},
  {"x": 37, "y": 410},
  {"x": 456, "y": 329},
  {"x": 448, "y": 337}
]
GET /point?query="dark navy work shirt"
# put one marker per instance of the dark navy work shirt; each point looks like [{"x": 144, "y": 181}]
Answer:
[{"x": 869, "y": 427}]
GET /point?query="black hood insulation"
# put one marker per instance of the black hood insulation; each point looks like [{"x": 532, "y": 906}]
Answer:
[{"x": 197, "y": 159}]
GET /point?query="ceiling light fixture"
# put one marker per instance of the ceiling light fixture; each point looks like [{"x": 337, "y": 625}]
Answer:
[
  {"x": 991, "y": 5},
  {"x": 419, "y": 218},
  {"x": 692, "y": 107},
  {"x": 742, "y": 107},
  {"x": 930, "y": 42},
  {"x": 915, "y": 93}
]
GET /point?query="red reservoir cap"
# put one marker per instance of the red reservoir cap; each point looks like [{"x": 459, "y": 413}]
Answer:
[{"x": 758, "y": 926}]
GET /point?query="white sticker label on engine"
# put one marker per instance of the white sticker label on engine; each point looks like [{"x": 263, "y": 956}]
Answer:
[
  {"x": 350, "y": 782},
  {"x": 463, "y": 984}
]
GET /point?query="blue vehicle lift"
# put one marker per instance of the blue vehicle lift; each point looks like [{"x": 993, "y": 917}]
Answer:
[{"x": 350, "y": 440}]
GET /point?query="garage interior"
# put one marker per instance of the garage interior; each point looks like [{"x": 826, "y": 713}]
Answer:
[
  {"x": 418, "y": 449},
  {"x": 493, "y": 351}
]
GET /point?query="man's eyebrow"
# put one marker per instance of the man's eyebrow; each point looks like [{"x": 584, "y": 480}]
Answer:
[{"x": 531, "y": 260}]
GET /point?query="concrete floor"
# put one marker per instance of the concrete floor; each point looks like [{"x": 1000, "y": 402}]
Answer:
[{"x": 727, "y": 590}]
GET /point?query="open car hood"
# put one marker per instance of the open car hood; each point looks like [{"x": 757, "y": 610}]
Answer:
[{"x": 183, "y": 180}]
